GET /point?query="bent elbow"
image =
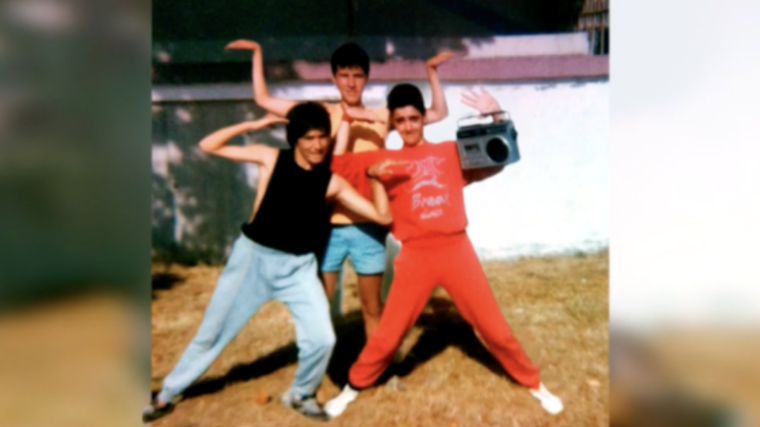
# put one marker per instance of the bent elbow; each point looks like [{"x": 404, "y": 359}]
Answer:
[
  {"x": 264, "y": 101},
  {"x": 386, "y": 219},
  {"x": 204, "y": 147},
  {"x": 437, "y": 118}
]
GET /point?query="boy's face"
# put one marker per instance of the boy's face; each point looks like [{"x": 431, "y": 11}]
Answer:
[
  {"x": 313, "y": 146},
  {"x": 408, "y": 123},
  {"x": 350, "y": 82}
]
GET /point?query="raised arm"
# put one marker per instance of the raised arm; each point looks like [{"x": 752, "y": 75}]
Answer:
[
  {"x": 216, "y": 142},
  {"x": 484, "y": 103},
  {"x": 438, "y": 110},
  {"x": 341, "y": 138},
  {"x": 378, "y": 211},
  {"x": 261, "y": 95}
]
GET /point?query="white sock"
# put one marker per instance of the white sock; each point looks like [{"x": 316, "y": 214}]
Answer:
[
  {"x": 338, "y": 404},
  {"x": 551, "y": 403}
]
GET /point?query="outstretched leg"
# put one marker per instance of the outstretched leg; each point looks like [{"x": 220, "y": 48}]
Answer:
[
  {"x": 239, "y": 293},
  {"x": 409, "y": 294},
  {"x": 466, "y": 282},
  {"x": 301, "y": 291}
]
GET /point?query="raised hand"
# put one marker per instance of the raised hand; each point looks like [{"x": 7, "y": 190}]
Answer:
[
  {"x": 480, "y": 100},
  {"x": 243, "y": 45},
  {"x": 270, "y": 120},
  {"x": 442, "y": 57},
  {"x": 361, "y": 114}
]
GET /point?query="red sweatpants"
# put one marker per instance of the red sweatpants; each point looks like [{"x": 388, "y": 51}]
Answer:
[{"x": 450, "y": 262}]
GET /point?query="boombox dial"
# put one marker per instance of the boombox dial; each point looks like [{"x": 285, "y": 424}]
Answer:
[{"x": 487, "y": 145}]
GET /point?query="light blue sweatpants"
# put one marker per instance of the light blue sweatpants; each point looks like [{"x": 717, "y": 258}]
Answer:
[{"x": 255, "y": 274}]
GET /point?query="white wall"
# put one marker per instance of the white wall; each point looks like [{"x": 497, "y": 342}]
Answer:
[{"x": 532, "y": 45}]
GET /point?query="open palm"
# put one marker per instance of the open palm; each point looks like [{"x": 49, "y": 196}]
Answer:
[
  {"x": 362, "y": 114},
  {"x": 480, "y": 100},
  {"x": 270, "y": 120}
]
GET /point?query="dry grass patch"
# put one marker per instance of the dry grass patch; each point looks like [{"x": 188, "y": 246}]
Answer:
[{"x": 557, "y": 308}]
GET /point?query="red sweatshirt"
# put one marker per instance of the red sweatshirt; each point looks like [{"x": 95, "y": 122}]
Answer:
[{"x": 426, "y": 194}]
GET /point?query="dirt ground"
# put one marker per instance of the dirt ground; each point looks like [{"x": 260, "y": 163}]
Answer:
[{"x": 556, "y": 306}]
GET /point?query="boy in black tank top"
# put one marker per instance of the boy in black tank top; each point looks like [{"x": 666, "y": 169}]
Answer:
[{"x": 274, "y": 258}]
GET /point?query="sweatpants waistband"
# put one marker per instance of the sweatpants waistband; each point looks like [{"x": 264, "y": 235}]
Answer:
[
  {"x": 259, "y": 248},
  {"x": 435, "y": 241}
]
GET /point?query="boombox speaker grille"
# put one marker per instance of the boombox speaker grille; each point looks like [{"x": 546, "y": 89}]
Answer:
[{"x": 497, "y": 150}]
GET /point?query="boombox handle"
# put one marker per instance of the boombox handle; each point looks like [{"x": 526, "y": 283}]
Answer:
[{"x": 484, "y": 115}]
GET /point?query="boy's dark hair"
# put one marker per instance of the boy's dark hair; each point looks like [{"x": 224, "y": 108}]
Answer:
[
  {"x": 403, "y": 95},
  {"x": 350, "y": 55},
  {"x": 304, "y": 117}
]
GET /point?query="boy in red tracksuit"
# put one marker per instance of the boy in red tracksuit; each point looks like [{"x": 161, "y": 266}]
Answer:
[{"x": 425, "y": 185}]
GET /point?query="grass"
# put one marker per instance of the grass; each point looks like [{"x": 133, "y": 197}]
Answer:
[{"x": 556, "y": 306}]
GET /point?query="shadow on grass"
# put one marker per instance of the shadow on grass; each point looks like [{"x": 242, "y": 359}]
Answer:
[
  {"x": 445, "y": 327},
  {"x": 442, "y": 328},
  {"x": 279, "y": 358},
  {"x": 164, "y": 282},
  {"x": 349, "y": 331}
]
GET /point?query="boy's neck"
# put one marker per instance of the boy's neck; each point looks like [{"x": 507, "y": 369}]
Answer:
[
  {"x": 358, "y": 104},
  {"x": 301, "y": 161},
  {"x": 417, "y": 144}
]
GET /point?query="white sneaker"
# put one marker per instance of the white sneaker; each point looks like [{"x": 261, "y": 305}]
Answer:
[
  {"x": 335, "y": 406},
  {"x": 551, "y": 403}
]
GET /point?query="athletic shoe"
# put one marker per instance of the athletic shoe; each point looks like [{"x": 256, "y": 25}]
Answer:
[
  {"x": 306, "y": 406},
  {"x": 153, "y": 412},
  {"x": 551, "y": 403},
  {"x": 335, "y": 406}
]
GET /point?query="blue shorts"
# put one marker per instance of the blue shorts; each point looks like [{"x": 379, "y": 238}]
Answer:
[{"x": 363, "y": 243}]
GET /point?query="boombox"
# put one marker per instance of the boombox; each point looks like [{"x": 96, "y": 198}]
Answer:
[{"x": 486, "y": 145}]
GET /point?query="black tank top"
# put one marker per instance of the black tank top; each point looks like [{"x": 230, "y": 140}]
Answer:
[{"x": 293, "y": 217}]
